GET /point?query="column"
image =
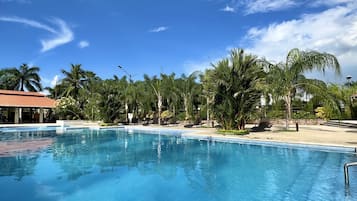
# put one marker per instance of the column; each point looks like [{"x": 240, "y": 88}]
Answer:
[
  {"x": 41, "y": 115},
  {"x": 17, "y": 111},
  {"x": 20, "y": 115}
]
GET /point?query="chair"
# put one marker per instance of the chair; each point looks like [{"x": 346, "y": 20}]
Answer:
[{"x": 261, "y": 126}]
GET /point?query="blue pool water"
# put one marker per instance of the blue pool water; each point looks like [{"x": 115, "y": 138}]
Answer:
[{"x": 108, "y": 165}]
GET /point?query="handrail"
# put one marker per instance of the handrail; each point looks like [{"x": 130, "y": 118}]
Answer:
[{"x": 345, "y": 167}]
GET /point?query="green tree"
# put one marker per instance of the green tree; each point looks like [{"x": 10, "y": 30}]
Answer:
[
  {"x": 6, "y": 80},
  {"x": 74, "y": 80},
  {"x": 23, "y": 78},
  {"x": 110, "y": 102},
  {"x": 285, "y": 79},
  {"x": 189, "y": 90},
  {"x": 207, "y": 90},
  {"x": 156, "y": 86},
  {"x": 170, "y": 93},
  {"x": 68, "y": 108},
  {"x": 238, "y": 81}
]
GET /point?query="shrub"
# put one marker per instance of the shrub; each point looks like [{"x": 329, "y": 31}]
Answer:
[{"x": 233, "y": 132}]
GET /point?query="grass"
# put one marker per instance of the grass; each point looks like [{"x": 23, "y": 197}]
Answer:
[
  {"x": 108, "y": 124},
  {"x": 233, "y": 132}
]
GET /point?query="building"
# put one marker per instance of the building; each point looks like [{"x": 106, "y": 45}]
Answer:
[{"x": 25, "y": 107}]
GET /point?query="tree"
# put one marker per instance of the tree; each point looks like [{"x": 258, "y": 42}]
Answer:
[
  {"x": 156, "y": 86},
  {"x": 207, "y": 90},
  {"x": 188, "y": 90},
  {"x": 24, "y": 78},
  {"x": 68, "y": 108},
  {"x": 170, "y": 92},
  {"x": 6, "y": 80},
  {"x": 238, "y": 81},
  {"x": 74, "y": 80},
  {"x": 285, "y": 79},
  {"x": 110, "y": 104}
]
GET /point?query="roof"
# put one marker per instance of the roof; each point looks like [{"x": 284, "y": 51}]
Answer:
[{"x": 9, "y": 98}]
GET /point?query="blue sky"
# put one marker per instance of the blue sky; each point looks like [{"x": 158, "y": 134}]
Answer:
[{"x": 160, "y": 36}]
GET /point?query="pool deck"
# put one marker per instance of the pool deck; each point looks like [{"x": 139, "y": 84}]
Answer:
[{"x": 307, "y": 134}]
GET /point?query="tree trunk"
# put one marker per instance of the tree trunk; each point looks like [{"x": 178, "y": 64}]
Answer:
[
  {"x": 208, "y": 121},
  {"x": 186, "y": 108},
  {"x": 288, "y": 110},
  {"x": 159, "y": 103},
  {"x": 126, "y": 111}
]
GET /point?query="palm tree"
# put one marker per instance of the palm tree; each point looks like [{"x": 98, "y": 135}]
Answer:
[
  {"x": 285, "y": 79},
  {"x": 74, "y": 80},
  {"x": 25, "y": 78},
  {"x": 156, "y": 86},
  {"x": 237, "y": 82},
  {"x": 170, "y": 92},
  {"x": 189, "y": 90},
  {"x": 207, "y": 90}
]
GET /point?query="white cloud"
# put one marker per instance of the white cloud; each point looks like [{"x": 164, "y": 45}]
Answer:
[
  {"x": 192, "y": 66},
  {"x": 28, "y": 22},
  {"x": 49, "y": 82},
  {"x": 330, "y": 2},
  {"x": 54, "y": 81},
  {"x": 83, "y": 44},
  {"x": 333, "y": 30},
  {"x": 202, "y": 65},
  {"x": 158, "y": 29},
  {"x": 263, "y": 6},
  {"x": 62, "y": 34},
  {"x": 228, "y": 9}
]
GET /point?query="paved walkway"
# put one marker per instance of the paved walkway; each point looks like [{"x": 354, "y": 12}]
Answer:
[{"x": 307, "y": 134}]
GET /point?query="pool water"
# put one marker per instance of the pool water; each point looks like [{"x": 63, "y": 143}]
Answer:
[{"x": 108, "y": 165}]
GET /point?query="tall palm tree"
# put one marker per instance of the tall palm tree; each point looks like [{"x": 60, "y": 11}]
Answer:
[
  {"x": 170, "y": 92},
  {"x": 25, "y": 78},
  {"x": 237, "y": 82},
  {"x": 74, "y": 80},
  {"x": 207, "y": 90},
  {"x": 285, "y": 79},
  {"x": 156, "y": 86},
  {"x": 188, "y": 89}
]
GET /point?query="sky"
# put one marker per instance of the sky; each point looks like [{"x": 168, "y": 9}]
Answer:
[{"x": 166, "y": 36}]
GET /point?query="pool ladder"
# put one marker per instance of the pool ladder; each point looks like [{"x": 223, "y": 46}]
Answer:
[{"x": 345, "y": 168}]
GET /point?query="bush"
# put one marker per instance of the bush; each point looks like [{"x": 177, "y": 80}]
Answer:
[
  {"x": 303, "y": 115},
  {"x": 68, "y": 108},
  {"x": 276, "y": 114},
  {"x": 108, "y": 124},
  {"x": 233, "y": 132},
  {"x": 181, "y": 116},
  {"x": 323, "y": 113}
]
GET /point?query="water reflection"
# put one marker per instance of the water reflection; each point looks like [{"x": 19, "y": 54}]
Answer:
[
  {"x": 210, "y": 170},
  {"x": 18, "y": 166}
]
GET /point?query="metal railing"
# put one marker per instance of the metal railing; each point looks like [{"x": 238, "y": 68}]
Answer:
[{"x": 345, "y": 167}]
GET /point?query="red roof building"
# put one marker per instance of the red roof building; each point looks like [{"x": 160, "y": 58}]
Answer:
[{"x": 20, "y": 106}]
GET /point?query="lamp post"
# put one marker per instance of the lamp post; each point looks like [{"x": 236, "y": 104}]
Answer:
[
  {"x": 128, "y": 116},
  {"x": 126, "y": 72}
]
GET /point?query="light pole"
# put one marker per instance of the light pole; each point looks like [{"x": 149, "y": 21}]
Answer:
[
  {"x": 127, "y": 114},
  {"x": 349, "y": 91},
  {"x": 126, "y": 72}
]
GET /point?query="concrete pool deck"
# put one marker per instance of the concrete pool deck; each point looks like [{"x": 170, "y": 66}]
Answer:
[{"x": 307, "y": 134}]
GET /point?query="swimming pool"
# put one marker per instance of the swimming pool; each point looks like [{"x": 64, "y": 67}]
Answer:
[{"x": 121, "y": 165}]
